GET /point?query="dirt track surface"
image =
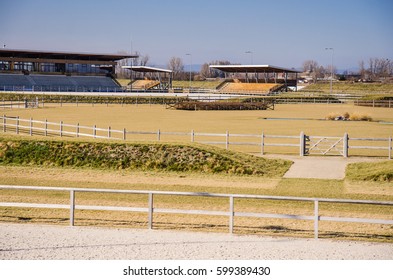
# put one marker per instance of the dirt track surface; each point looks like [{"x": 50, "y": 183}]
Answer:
[{"x": 38, "y": 242}]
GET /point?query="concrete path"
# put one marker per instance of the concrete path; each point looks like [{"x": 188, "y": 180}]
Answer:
[
  {"x": 43, "y": 242},
  {"x": 321, "y": 167}
]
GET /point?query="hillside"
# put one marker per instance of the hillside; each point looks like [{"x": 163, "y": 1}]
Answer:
[{"x": 136, "y": 156}]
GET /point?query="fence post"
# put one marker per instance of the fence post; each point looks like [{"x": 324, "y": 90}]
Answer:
[
  {"x": 46, "y": 127},
  {"x": 231, "y": 213},
  {"x": 192, "y": 136},
  {"x": 227, "y": 140},
  {"x": 17, "y": 125},
  {"x": 390, "y": 147},
  {"x": 150, "y": 222},
  {"x": 302, "y": 144},
  {"x": 316, "y": 218},
  {"x": 94, "y": 131},
  {"x": 109, "y": 132},
  {"x": 262, "y": 143},
  {"x": 77, "y": 130},
  {"x": 4, "y": 124},
  {"x": 158, "y": 135},
  {"x": 124, "y": 134},
  {"x": 61, "y": 128},
  {"x": 345, "y": 145},
  {"x": 31, "y": 127},
  {"x": 72, "y": 207}
]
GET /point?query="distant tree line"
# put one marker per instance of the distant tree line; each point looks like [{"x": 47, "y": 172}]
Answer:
[{"x": 377, "y": 69}]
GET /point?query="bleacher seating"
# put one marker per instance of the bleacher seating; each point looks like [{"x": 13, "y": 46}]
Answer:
[
  {"x": 144, "y": 84},
  {"x": 238, "y": 87},
  {"x": 57, "y": 83}
]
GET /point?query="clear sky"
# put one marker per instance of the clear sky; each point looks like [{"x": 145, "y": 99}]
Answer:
[{"x": 283, "y": 33}]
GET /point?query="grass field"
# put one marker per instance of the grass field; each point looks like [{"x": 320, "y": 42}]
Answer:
[
  {"x": 284, "y": 120},
  {"x": 171, "y": 181},
  {"x": 288, "y": 119},
  {"x": 350, "y": 87},
  {"x": 150, "y": 118}
]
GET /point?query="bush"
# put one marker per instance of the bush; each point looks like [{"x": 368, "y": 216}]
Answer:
[{"x": 348, "y": 117}]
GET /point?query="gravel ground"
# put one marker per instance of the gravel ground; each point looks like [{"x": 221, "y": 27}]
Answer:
[
  {"x": 330, "y": 167},
  {"x": 43, "y": 242}
]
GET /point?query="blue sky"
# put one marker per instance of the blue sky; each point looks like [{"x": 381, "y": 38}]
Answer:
[{"x": 283, "y": 33}]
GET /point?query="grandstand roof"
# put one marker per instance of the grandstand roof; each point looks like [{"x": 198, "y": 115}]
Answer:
[
  {"x": 253, "y": 69},
  {"x": 61, "y": 55},
  {"x": 147, "y": 69}
]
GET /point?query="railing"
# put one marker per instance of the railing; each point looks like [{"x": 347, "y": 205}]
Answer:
[
  {"x": 231, "y": 213},
  {"x": 299, "y": 144},
  {"x": 63, "y": 89},
  {"x": 375, "y": 103}
]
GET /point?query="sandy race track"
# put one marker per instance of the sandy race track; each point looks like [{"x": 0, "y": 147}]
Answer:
[{"x": 39, "y": 242}]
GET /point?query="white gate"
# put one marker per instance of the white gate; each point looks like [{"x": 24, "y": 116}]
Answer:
[{"x": 323, "y": 145}]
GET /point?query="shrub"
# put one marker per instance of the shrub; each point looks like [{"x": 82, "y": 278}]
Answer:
[
  {"x": 359, "y": 117},
  {"x": 348, "y": 117}
]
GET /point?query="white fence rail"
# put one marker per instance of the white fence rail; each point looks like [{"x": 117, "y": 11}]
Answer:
[
  {"x": 231, "y": 212},
  {"x": 299, "y": 144}
]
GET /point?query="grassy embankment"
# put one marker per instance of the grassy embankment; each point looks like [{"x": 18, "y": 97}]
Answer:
[{"x": 367, "y": 90}]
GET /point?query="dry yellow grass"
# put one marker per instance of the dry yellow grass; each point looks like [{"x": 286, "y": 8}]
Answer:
[
  {"x": 89, "y": 178},
  {"x": 151, "y": 118},
  {"x": 284, "y": 120}
]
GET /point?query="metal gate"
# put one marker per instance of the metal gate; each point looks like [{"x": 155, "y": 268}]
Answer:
[{"x": 322, "y": 145}]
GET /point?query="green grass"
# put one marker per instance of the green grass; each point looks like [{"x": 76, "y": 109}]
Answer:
[
  {"x": 349, "y": 87},
  {"x": 139, "y": 156},
  {"x": 374, "y": 172}
]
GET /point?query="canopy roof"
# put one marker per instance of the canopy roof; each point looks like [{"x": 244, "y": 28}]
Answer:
[
  {"x": 32, "y": 54},
  {"x": 253, "y": 69},
  {"x": 147, "y": 69}
]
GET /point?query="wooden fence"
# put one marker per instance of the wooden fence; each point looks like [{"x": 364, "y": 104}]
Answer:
[
  {"x": 301, "y": 144},
  {"x": 374, "y": 103},
  {"x": 231, "y": 213}
]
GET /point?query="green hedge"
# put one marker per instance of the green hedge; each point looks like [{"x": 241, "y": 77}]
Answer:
[
  {"x": 53, "y": 98},
  {"x": 137, "y": 156}
]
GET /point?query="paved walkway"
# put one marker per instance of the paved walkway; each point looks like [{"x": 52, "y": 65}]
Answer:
[
  {"x": 43, "y": 242},
  {"x": 319, "y": 167}
]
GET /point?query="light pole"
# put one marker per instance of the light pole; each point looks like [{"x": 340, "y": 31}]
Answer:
[
  {"x": 190, "y": 67},
  {"x": 331, "y": 70},
  {"x": 250, "y": 52}
]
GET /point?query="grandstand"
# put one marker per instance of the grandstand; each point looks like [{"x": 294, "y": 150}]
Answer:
[
  {"x": 58, "y": 71},
  {"x": 258, "y": 79},
  {"x": 153, "y": 78},
  {"x": 239, "y": 87}
]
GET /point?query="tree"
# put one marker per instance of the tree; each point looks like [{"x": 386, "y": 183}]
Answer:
[
  {"x": 310, "y": 66},
  {"x": 362, "y": 70},
  {"x": 207, "y": 72},
  {"x": 176, "y": 65}
]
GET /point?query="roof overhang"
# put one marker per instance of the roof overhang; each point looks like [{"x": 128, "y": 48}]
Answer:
[
  {"x": 50, "y": 55},
  {"x": 253, "y": 69},
  {"x": 147, "y": 69}
]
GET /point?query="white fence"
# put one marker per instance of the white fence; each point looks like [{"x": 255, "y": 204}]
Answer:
[
  {"x": 301, "y": 144},
  {"x": 231, "y": 213}
]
